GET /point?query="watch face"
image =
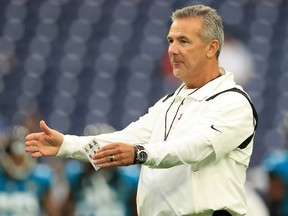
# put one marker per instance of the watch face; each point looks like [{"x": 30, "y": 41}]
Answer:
[{"x": 142, "y": 156}]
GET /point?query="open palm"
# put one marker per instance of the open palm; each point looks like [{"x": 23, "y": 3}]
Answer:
[{"x": 45, "y": 143}]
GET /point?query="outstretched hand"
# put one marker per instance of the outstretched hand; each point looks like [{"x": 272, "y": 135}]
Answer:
[{"x": 45, "y": 143}]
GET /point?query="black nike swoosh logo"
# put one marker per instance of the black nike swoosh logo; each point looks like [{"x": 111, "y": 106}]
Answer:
[{"x": 212, "y": 126}]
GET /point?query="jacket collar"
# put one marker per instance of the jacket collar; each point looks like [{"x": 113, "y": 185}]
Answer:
[{"x": 225, "y": 81}]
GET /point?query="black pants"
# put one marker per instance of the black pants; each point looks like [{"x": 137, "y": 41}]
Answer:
[{"x": 221, "y": 213}]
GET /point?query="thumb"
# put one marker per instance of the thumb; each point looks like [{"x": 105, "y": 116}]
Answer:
[{"x": 44, "y": 127}]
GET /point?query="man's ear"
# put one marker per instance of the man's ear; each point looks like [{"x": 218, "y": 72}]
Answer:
[{"x": 213, "y": 47}]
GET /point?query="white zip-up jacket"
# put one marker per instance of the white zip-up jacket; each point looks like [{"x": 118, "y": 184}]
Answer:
[{"x": 199, "y": 168}]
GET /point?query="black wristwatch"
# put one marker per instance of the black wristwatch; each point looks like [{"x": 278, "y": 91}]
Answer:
[{"x": 140, "y": 154}]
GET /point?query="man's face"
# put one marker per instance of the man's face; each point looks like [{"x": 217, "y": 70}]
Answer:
[{"x": 187, "y": 51}]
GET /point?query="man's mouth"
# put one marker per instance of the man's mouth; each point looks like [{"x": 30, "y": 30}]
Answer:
[{"x": 176, "y": 62}]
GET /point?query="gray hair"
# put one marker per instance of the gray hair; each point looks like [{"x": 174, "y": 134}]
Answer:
[{"x": 212, "y": 25}]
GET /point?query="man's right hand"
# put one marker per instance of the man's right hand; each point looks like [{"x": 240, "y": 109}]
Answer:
[{"x": 45, "y": 143}]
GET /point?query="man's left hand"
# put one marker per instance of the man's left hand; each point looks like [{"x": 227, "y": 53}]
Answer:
[{"x": 114, "y": 154}]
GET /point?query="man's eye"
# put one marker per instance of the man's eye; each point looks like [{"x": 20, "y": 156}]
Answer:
[
  {"x": 170, "y": 41},
  {"x": 183, "y": 41}
]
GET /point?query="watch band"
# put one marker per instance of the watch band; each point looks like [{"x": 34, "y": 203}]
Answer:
[{"x": 135, "y": 153}]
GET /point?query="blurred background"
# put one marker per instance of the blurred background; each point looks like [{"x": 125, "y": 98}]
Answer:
[{"x": 82, "y": 64}]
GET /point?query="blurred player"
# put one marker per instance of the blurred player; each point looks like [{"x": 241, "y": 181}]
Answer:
[
  {"x": 24, "y": 185},
  {"x": 276, "y": 164}
]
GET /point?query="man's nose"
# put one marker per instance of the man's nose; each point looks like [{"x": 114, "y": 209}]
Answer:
[{"x": 173, "y": 49}]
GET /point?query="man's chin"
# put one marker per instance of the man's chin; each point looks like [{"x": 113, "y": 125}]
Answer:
[{"x": 177, "y": 73}]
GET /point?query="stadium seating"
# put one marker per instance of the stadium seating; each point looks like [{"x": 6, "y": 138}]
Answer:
[{"x": 78, "y": 62}]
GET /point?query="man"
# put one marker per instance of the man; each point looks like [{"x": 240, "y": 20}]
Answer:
[{"x": 194, "y": 145}]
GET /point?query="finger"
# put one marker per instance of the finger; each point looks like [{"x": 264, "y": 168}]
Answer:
[
  {"x": 107, "y": 159},
  {"x": 33, "y": 136},
  {"x": 100, "y": 162},
  {"x": 107, "y": 162},
  {"x": 106, "y": 165},
  {"x": 31, "y": 149},
  {"x": 103, "y": 154},
  {"x": 31, "y": 143},
  {"x": 27, "y": 149},
  {"x": 37, "y": 155},
  {"x": 107, "y": 147},
  {"x": 44, "y": 127}
]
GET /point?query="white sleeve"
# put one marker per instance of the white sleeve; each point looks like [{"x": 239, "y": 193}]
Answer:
[
  {"x": 72, "y": 147},
  {"x": 186, "y": 150}
]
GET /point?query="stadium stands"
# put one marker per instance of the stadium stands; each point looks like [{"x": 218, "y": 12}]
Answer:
[{"x": 79, "y": 62}]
